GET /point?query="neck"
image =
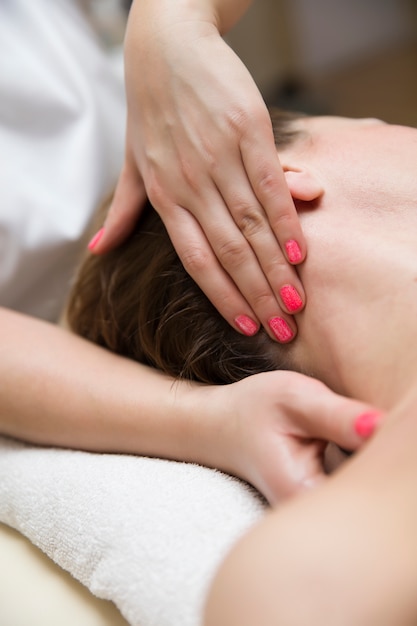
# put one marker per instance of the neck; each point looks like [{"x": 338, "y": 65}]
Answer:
[{"x": 358, "y": 332}]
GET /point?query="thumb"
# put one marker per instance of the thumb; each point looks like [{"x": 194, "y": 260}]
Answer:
[
  {"x": 343, "y": 421},
  {"x": 332, "y": 418},
  {"x": 127, "y": 204}
]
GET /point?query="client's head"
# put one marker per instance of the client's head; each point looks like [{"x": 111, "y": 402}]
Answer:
[
  {"x": 138, "y": 301},
  {"x": 354, "y": 186}
]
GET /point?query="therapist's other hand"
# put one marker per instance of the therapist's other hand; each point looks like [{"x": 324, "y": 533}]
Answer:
[
  {"x": 200, "y": 135},
  {"x": 279, "y": 424}
]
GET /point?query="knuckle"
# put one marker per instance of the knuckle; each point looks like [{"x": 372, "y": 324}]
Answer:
[
  {"x": 267, "y": 182},
  {"x": 210, "y": 154},
  {"x": 249, "y": 219},
  {"x": 231, "y": 254},
  {"x": 247, "y": 117},
  {"x": 238, "y": 119},
  {"x": 227, "y": 304},
  {"x": 155, "y": 191},
  {"x": 261, "y": 298},
  {"x": 280, "y": 220},
  {"x": 280, "y": 269},
  {"x": 188, "y": 174},
  {"x": 195, "y": 260}
]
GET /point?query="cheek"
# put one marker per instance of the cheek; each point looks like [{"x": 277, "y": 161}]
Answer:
[
  {"x": 372, "y": 167},
  {"x": 339, "y": 246},
  {"x": 338, "y": 241},
  {"x": 323, "y": 226}
]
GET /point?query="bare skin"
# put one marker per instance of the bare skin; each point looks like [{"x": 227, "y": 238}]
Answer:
[
  {"x": 346, "y": 554},
  {"x": 263, "y": 429},
  {"x": 199, "y": 142}
]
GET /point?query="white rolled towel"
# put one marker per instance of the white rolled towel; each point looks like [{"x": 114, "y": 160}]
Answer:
[{"x": 145, "y": 533}]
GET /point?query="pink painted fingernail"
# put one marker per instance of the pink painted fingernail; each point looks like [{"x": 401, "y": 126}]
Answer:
[
  {"x": 366, "y": 423},
  {"x": 293, "y": 251},
  {"x": 246, "y": 325},
  {"x": 281, "y": 329},
  {"x": 291, "y": 298},
  {"x": 94, "y": 241}
]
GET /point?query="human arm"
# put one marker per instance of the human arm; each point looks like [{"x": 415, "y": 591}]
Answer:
[
  {"x": 200, "y": 141},
  {"x": 61, "y": 390},
  {"x": 344, "y": 555}
]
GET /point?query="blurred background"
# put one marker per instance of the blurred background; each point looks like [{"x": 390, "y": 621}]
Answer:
[{"x": 343, "y": 57}]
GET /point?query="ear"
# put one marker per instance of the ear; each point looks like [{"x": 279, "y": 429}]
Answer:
[{"x": 303, "y": 184}]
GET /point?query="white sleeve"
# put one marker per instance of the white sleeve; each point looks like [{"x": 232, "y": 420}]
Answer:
[{"x": 62, "y": 119}]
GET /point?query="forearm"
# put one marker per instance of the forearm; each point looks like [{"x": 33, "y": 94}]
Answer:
[{"x": 58, "y": 389}]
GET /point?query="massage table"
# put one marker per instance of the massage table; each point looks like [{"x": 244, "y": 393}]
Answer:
[{"x": 34, "y": 591}]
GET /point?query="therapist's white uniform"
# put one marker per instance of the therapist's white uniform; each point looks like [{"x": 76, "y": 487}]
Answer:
[{"x": 62, "y": 118}]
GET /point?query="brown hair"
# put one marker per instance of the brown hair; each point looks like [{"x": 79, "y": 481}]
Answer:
[{"x": 139, "y": 301}]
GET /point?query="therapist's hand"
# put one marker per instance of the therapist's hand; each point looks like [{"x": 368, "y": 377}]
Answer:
[
  {"x": 200, "y": 135},
  {"x": 343, "y": 555},
  {"x": 277, "y": 426}
]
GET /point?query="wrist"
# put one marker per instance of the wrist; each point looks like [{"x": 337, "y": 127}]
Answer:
[
  {"x": 223, "y": 14},
  {"x": 227, "y": 14},
  {"x": 204, "y": 425}
]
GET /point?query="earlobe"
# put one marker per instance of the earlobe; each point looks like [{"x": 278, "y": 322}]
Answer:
[{"x": 303, "y": 184}]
